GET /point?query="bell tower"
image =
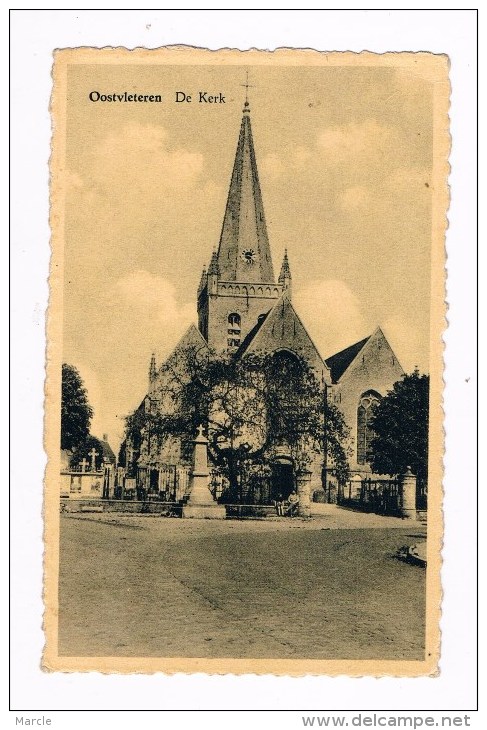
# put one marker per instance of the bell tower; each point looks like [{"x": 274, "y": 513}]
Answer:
[{"x": 239, "y": 285}]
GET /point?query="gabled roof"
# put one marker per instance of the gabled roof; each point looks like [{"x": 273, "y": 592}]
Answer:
[
  {"x": 191, "y": 338},
  {"x": 244, "y": 253},
  {"x": 107, "y": 451},
  {"x": 340, "y": 363},
  {"x": 250, "y": 336},
  {"x": 342, "y": 360},
  {"x": 282, "y": 329}
]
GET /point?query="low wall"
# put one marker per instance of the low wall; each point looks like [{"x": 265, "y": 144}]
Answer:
[
  {"x": 169, "y": 509},
  {"x": 249, "y": 511},
  {"x": 172, "y": 509}
]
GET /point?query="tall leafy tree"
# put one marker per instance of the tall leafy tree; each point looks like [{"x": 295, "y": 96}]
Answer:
[
  {"x": 250, "y": 405},
  {"x": 122, "y": 453},
  {"x": 400, "y": 428},
  {"x": 76, "y": 412}
]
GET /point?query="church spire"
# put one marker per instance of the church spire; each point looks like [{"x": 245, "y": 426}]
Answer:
[
  {"x": 244, "y": 254},
  {"x": 152, "y": 370},
  {"x": 285, "y": 269},
  {"x": 285, "y": 277}
]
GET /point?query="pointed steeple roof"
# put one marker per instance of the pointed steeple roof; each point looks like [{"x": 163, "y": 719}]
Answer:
[
  {"x": 244, "y": 253},
  {"x": 214, "y": 267},
  {"x": 152, "y": 370},
  {"x": 152, "y": 366},
  {"x": 285, "y": 269}
]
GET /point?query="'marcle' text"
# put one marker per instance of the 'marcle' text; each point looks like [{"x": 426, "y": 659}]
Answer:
[{"x": 32, "y": 720}]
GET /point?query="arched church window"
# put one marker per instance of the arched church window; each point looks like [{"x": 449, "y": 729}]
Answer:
[
  {"x": 285, "y": 384},
  {"x": 234, "y": 329},
  {"x": 234, "y": 319},
  {"x": 364, "y": 432},
  {"x": 287, "y": 365}
]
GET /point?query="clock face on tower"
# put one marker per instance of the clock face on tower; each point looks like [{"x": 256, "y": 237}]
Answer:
[{"x": 249, "y": 256}]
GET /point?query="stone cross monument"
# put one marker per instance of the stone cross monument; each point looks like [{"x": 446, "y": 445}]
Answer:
[
  {"x": 201, "y": 503},
  {"x": 93, "y": 453}
]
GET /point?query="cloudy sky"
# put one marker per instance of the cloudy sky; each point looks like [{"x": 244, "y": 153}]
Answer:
[{"x": 345, "y": 162}]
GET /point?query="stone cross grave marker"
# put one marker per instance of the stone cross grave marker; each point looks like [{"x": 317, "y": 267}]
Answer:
[
  {"x": 93, "y": 455},
  {"x": 83, "y": 464}
]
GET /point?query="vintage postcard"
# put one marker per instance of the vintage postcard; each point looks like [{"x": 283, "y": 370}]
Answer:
[{"x": 244, "y": 362}]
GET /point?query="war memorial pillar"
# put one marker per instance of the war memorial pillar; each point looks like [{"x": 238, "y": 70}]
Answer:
[{"x": 201, "y": 504}]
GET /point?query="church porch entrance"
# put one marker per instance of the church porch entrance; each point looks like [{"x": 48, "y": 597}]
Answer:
[{"x": 283, "y": 480}]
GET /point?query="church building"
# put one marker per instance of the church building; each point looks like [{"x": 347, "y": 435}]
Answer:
[{"x": 243, "y": 309}]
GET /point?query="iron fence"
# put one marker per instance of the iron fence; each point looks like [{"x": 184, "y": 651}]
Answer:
[{"x": 380, "y": 496}]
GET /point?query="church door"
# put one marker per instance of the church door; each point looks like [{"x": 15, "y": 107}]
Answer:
[
  {"x": 282, "y": 480},
  {"x": 154, "y": 481}
]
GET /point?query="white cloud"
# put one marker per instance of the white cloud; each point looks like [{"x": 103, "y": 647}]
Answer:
[
  {"x": 332, "y": 314},
  {"x": 136, "y": 185},
  {"x": 134, "y": 170},
  {"x": 355, "y": 198},
  {"x": 143, "y": 148},
  {"x": 359, "y": 154},
  {"x": 140, "y": 314},
  {"x": 359, "y": 141},
  {"x": 152, "y": 300},
  {"x": 301, "y": 156},
  {"x": 272, "y": 166},
  {"x": 275, "y": 166}
]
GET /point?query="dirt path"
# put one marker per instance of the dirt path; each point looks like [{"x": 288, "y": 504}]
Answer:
[{"x": 151, "y": 586}]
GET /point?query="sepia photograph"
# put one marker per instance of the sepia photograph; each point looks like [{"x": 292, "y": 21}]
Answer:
[{"x": 245, "y": 362}]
